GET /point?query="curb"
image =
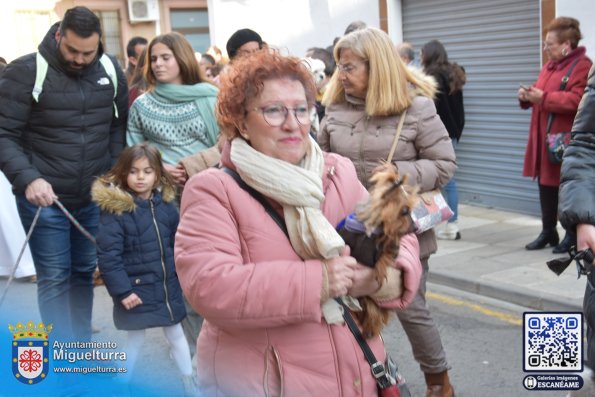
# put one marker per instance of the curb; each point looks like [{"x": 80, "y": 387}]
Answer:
[{"x": 543, "y": 302}]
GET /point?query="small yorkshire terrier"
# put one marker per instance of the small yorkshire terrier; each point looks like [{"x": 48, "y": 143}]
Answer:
[{"x": 386, "y": 218}]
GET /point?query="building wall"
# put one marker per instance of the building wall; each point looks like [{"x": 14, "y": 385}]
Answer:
[
  {"x": 500, "y": 45},
  {"x": 291, "y": 25},
  {"x": 23, "y": 25},
  {"x": 584, "y": 11}
]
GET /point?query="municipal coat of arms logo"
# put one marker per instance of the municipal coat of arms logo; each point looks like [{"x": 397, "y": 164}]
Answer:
[{"x": 30, "y": 352}]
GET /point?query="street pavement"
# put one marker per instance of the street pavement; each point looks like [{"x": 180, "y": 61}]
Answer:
[{"x": 491, "y": 260}]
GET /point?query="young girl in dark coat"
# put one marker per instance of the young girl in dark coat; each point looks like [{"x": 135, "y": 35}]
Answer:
[{"x": 135, "y": 251}]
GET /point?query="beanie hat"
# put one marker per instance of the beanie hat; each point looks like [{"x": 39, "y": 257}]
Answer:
[{"x": 239, "y": 38}]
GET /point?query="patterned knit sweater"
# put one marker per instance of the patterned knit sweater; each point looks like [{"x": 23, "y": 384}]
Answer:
[{"x": 176, "y": 129}]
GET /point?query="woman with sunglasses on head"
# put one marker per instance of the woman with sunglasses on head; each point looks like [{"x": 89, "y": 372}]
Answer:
[
  {"x": 567, "y": 60},
  {"x": 368, "y": 94},
  {"x": 259, "y": 287}
]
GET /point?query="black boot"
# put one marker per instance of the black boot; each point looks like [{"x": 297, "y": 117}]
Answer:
[
  {"x": 567, "y": 242},
  {"x": 547, "y": 236}
]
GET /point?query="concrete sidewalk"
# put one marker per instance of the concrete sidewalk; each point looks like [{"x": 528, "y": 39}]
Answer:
[{"x": 491, "y": 260}]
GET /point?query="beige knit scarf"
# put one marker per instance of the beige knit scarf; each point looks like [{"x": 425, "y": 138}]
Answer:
[{"x": 298, "y": 188}]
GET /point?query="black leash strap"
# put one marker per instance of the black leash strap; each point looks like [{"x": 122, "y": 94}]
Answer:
[
  {"x": 378, "y": 369},
  {"x": 258, "y": 197}
]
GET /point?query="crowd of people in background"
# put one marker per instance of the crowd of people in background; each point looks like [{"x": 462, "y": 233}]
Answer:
[{"x": 213, "y": 184}]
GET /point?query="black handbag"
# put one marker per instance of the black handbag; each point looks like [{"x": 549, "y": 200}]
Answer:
[{"x": 556, "y": 143}]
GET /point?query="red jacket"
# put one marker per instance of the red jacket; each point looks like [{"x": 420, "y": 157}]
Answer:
[{"x": 563, "y": 104}]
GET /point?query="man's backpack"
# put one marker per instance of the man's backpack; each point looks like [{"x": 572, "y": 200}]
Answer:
[{"x": 42, "y": 70}]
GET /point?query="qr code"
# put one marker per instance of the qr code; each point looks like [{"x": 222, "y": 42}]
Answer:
[{"x": 553, "y": 341}]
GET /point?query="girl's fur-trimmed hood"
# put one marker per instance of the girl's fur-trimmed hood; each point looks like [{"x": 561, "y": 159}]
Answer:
[{"x": 113, "y": 199}]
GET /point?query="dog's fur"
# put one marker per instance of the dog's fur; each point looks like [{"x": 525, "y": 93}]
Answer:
[{"x": 388, "y": 208}]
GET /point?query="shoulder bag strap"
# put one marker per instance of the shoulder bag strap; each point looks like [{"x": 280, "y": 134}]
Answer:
[
  {"x": 109, "y": 68},
  {"x": 550, "y": 117},
  {"x": 379, "y": 370},
  {"x": 397, "y": 135},
  {"x": 258, "y": 197}
]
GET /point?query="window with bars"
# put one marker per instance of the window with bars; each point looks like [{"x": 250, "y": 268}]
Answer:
[
  {"x": 194, "y": 24},
  {"x": 112, "y": 37}
]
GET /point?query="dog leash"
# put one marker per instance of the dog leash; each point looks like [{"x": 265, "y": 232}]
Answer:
[
  {"x": 75, "y": 222},
  {"x": 35, "y": 218}
]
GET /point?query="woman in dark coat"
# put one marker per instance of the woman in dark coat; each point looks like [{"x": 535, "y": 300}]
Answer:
[
  {"x": 450, "y": 78},
  {"x": 545, "y": 98}
]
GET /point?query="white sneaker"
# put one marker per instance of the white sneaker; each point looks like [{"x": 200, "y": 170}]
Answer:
[{"x": 450, "y": 232}]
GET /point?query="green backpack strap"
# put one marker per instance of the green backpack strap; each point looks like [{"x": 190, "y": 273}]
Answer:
[
  {"x": 108, "y": 65},
  {"x": 42, "y": 70}
]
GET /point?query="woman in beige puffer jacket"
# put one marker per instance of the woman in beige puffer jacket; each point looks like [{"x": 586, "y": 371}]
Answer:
[{"x": 365, "y": 99}]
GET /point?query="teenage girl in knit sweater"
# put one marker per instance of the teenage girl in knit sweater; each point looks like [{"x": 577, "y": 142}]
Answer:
[{"x": 176, "y": 114}]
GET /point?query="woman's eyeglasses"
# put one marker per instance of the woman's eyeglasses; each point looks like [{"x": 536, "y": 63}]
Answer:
[
  {"x": 275, "y": 115},
  {"x": 547, "y": 45},
  {"x": 348, "y": 68}
]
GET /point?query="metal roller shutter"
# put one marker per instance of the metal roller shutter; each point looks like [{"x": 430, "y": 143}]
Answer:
[{"x": 498, "y": 44}]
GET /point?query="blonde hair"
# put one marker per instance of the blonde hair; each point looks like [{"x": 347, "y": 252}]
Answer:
[{"x": 388, "y": 77}]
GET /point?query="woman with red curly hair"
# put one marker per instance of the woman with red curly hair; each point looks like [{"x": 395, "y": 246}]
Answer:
[{"x": 260, "y": 292}]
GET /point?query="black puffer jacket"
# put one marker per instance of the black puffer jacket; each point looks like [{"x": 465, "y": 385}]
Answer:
[
  {"x": 577, "y": 191},
  {"x": 71, "y": 135},
  {"x": 577, "y": 179}
]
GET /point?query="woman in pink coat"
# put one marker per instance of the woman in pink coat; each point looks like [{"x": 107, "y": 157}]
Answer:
[
  {"x": 261, "y": 294},
  {"x": 545, "y": 98}
]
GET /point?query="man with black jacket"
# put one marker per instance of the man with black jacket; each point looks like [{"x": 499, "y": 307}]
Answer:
[
  {"x": 63, "y": 116},
  {"x": 577, "y": 204}
]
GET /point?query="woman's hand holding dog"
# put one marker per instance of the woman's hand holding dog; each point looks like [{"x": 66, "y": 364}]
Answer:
[
  {"x": 347, "y": 277},
  {"x": 364, "y": 282},
  {"x": 340, "y": 272}
]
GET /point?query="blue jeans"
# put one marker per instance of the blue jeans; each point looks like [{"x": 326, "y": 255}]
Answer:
[
  {"x": 64, "y": 261},
  {"x": 451, "y": 193}
]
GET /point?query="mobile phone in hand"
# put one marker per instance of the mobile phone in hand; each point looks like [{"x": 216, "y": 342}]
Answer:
[{"x": 524, "y": 87}]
